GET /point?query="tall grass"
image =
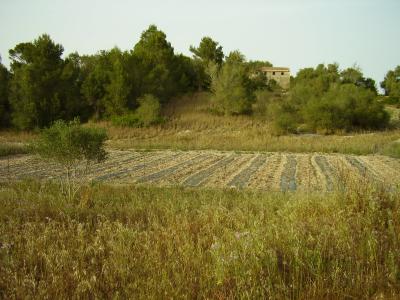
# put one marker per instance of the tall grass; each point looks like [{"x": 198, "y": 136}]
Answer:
[
  {"x": 191, "y": 126},
  {"x": 147, "y": 242},
  {"x": 14, "y": 142},
  {"x": 7, "y": 149}
]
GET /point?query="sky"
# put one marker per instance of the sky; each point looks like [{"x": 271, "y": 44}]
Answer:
[{"x": 290, "y": 33}]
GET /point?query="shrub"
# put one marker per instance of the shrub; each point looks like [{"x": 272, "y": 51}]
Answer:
[
  {"x": 70, "y": 145},
  {"x": 232, "y": 93},
  {"x": 126, "y": 120},
  {"x": 391, "y": 101},
  {"x": 263, "y": 101},
  {"x": 149, "y": 110},
  {"x": 345, "y": 107},
  {"x": 148, "y": 113},
  {"x": 284, "y": 116}
]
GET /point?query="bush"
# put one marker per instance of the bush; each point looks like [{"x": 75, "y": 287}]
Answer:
[
  {"x": 391, "y": 101},
  {"x": 263, "y": 101},
  {"x": 149, "y": 110},
  {"x": 345, "y": 107},
  {"x": 70, "y": 145},
  {"x": 284, "y": 116},
  {"x": 126, "y": 120},
  {"x": 148, "y": 113},
  {"x": 232, "y": 94}
]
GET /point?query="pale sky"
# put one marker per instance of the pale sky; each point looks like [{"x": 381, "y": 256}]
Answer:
[{"x": 292, "y": 33}]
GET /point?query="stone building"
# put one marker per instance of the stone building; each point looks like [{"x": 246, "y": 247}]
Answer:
[{"x": 280, "y": 74}]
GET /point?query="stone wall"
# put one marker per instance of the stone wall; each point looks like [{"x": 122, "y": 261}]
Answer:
[{"x": 280, "y": 74}]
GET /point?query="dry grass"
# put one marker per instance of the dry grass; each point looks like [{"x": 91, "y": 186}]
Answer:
[
  {"x": 190, "y": 126},
  {"x": 151, "y": 243},
  {"x": 7, "y": 149},
  {"x": 14, "y": 136}
]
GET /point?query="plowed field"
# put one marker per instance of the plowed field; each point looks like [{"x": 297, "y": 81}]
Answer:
[{"x": 270, "y": 171}]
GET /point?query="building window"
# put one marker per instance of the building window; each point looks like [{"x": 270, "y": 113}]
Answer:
[
  {"x": 282, "y": 73},
  {"x": 273, "y": 73}
]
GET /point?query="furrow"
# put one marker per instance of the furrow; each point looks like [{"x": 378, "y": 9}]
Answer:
[
  {"x": 306, "y": 175},
  {"x": 381, "y": 170},
  {"x": 182, "y": 174},
  {"x": 137, "y": 159},
  {"x": 364, "y": 172},
  {"x": 242, "y": 178},
  {"x": 223, "y": 175},
  {"x": 266, "y": 176},
  {"x": 126, "y": 171},
  {"x": 117, "y": 161},
  {"x": 168, "y": 171},
  {"x": 288, "y": 178},
  {"x": 198, "y": 178},
  {"x": 326, "y": 171}
]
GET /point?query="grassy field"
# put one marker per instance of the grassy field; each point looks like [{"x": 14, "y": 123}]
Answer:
[
  {"x": 8, "y": 149},
  {"x": 147, "y": 242},
  {"x": 190, "y": 126},
  {"x": 14, "y": 142}
]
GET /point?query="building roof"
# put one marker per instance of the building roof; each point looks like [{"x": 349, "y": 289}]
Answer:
[{"x": 277, "y": 69}]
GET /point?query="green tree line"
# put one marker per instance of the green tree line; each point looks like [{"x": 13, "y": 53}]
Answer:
[
  {"x": 129, "y": 87},
  {"x": 326, "y": 99},
  {"x": 42, "y": 86}
]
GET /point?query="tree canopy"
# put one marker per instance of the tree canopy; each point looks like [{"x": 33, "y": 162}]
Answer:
[
  {"x": 391, "y": 83},
  {"x": 327, "y": 99},
  {"x": 37, "y": 94},
  {"x": 4, "y": 101},
  {"x": 208, "y": 51},
  {"x": 130, "y": 87}
]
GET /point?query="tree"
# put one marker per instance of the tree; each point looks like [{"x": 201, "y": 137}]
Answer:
[
  {"x": 35, "y": 93},
  {"x": 319, "y": 79},
  {"x": 391, "y": 84},
  {"x": 324, "y": 99},
  {"x": 71, "y": 80},
  {"x": 4, "y": 102},
  {"x": 346, "y": 107},
  {"x": 185, "y": 74},
  {"x": 95, "y": 78},
  {"x": 70, "y": 145},
  {"x": 355, "y": 76},
  {"x": 231, "y": 88},
  {"x": 208, "y": 51},
  {"x": 155, "y": 58},
  {"x": 118, "y": 87},
  {"x": 207, "y": 55}
]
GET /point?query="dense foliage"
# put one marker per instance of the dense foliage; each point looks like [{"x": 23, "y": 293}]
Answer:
[
  {"x": 325, "y": 99},
  {"x": 4, "y": 102},
  {"x": 391, "y": 85},
  {"x": 43, "y": 86},
  {"x": 148, "y": 113},
  {"x": 69, "y": 143}
]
